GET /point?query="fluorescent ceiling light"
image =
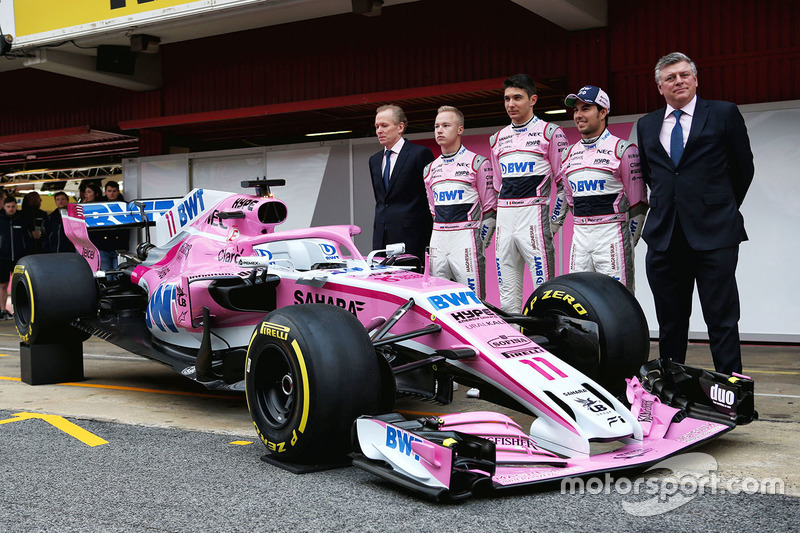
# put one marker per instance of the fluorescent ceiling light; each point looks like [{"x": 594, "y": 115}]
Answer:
[
  {"x": 555, "y": 112},
  {"x": 328, "y": 133}
]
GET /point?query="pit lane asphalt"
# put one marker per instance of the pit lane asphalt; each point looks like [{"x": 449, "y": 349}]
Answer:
[{"x": 169, "y": 463}]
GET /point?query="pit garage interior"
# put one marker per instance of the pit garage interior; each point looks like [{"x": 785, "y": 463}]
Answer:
[{"x": 169, "y": 95}]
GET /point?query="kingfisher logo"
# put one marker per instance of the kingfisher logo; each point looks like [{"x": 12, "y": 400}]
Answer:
[
  {"x": 454, "y": 299},
  {"x": 588, "y": 185},
  {"x": 159, "y": 309},
  {"x": 397, "y": 439},
  {"x": 517, "y": 167},
  {"x": 449, "y": 196}
]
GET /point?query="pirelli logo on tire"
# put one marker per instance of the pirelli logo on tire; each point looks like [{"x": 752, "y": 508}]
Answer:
[
  {"x": 274, "y": 330},
  {"x": 558, "y": 295}
]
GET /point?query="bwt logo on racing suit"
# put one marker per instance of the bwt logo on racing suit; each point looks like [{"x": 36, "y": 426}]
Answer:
[
  {"x": 454, "y": 299},
  {"x": 445, "y": 196},
  {"x": 517, "y": 167},
  {"x": 588, "y": 185},
  {"x": 397, "y": 439}
]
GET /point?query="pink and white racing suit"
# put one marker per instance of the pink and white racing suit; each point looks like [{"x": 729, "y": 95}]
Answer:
[
  {"x": 526, "y": 159},
  {"x": 463, "y": 203},
  {"x": 608, "y": 199}
]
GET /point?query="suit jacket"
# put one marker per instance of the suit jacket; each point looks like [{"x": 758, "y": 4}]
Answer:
[
  {"x": 707, "y": 186},
  {"x": 402, "y": 213}
]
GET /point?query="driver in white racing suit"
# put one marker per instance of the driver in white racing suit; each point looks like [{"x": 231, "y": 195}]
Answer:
[
  {"x": 606, "y": 192},
  {"x": 526, "y": 158},
  {"x": 463, "y": 203}
]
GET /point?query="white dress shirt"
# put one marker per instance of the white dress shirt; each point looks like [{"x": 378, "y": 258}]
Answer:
[
  {"x": 669, "y": 123},
  {"x": 395, "y": 152}
]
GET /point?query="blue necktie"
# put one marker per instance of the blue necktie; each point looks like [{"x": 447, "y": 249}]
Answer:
[
  {"x": 387, "y": 169},
  {"x": 676, "y": 138}
]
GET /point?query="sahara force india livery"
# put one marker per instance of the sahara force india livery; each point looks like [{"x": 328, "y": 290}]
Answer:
[{"x": 323, "y": 340}]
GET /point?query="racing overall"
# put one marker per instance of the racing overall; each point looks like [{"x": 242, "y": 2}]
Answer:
[
  {"x": 608, "y": 198},
  {"x": 525, "y": 159},
  {"x": 463, "y": 201}
]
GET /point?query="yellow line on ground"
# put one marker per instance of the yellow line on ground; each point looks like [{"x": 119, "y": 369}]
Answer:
[
  {"x": 137, "y": 389},
  {"x": 73, "y": 430}
]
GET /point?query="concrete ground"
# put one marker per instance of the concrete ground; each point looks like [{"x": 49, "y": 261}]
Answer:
[{"x": 121, "y": 387}]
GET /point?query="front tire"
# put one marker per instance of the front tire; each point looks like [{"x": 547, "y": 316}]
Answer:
[
  {"x": 47, "y": 292},
  {"x": 311, "y": 370},
  {"x": 624, "y": 335}
]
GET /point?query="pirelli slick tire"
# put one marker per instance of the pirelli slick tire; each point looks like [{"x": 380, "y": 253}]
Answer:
[
  {"x": 47, "y": 292},
  {"x": 311, "y": 370},
  {"x": 624, "y": 335}
]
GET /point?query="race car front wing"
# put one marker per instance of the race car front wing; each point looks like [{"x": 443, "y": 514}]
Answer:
[{"x": 457, "y": 455}]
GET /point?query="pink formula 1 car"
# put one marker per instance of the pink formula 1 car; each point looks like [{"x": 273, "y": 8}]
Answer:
[{"x": 323, "y": 340}]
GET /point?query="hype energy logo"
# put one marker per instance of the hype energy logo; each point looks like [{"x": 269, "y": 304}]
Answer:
[{"x": 159, "y": 309}]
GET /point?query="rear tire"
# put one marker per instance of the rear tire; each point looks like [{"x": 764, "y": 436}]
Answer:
[
  {"x": 311, "y": 370},
  {"x": 624, "y": 335},
  {"x": 48, "y": 291}
]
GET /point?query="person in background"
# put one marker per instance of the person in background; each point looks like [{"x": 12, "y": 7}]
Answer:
[
  {"x": 33, "y": 221},
  {"x": 109, "y": 241},
  {"x": 56, "y": 240},
  {"x": 12, "y": 248},
  {"x": 91, "y": 193},
  {"x": 697, "y": 161},
  {"x": 112, "y": 192}
]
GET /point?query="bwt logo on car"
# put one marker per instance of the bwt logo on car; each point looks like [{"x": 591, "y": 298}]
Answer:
[
  {"x": 517, "y": 167},
  {"x": 453, "y": 299},
  {"x": 329, "y": 251},
  {"x": 446, "y": 196},
  {"x": 588, "y": 185},
  {"x": 159, "y": 308},
  {"x": 187, "y": 211},
  {"x": 397, "y": 439}
]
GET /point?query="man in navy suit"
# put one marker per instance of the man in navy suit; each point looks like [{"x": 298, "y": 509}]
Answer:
[
  {"x": 696, "y": 159},
  {"x": 401, "y": 203}
]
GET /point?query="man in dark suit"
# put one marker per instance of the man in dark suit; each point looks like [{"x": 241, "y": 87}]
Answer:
[
  {"x": 401, "y": 204},
  {"x": 697, "y": 161}
]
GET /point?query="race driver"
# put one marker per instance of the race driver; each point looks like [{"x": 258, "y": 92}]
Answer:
[
  {"x": 606, "y": 192},
  {"x": 525, "y": 156},
  {"x": 463, "y": 203}
]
